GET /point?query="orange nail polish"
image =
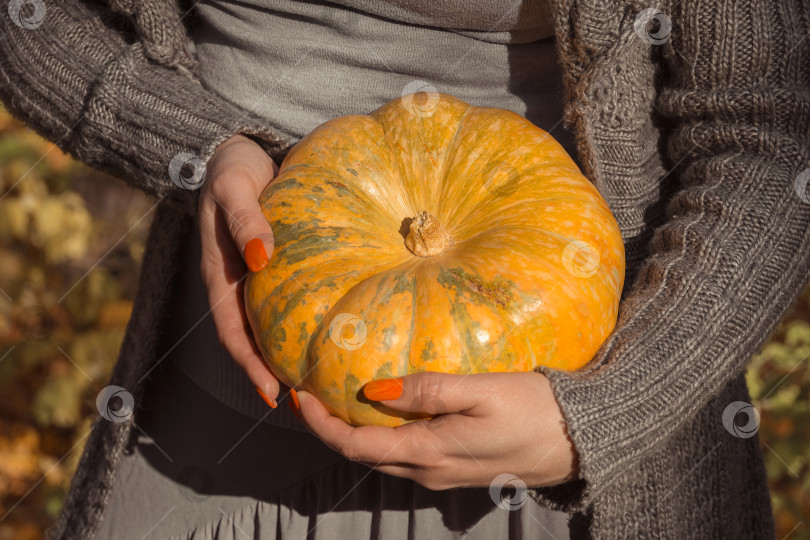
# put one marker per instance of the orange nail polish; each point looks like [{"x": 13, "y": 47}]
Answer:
[
  {"x": 383, "y": 389},
  {"x": 271, "y": 402},
  {"x": 255, "y": 255},
  {"x": 294, "y": 404}
]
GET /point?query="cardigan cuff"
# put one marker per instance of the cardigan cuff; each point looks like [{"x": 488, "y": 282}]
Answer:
[{"x": 157, "y": 128}]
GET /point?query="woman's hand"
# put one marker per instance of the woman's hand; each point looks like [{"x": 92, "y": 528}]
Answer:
[
  {"x": 488, "y": 424},
  {"x": 230, "y": 223}
]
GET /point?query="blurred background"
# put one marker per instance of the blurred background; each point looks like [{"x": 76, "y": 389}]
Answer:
[{"x": 71, "y": 242}]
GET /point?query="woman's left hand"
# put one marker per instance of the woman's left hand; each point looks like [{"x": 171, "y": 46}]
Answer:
[{"x": 487, "y": 424}]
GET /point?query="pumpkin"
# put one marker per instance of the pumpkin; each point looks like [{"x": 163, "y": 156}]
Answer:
[{"x": 430, "y": 235}]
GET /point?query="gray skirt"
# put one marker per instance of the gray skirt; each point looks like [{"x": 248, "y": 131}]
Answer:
[{"x": 197, "y": 469}]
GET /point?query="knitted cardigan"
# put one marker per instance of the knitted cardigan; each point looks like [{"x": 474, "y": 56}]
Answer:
[{"x": 697, "y": 139}]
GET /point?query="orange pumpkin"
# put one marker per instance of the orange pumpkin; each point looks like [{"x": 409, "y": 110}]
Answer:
[{"x": 430, "y": 235}]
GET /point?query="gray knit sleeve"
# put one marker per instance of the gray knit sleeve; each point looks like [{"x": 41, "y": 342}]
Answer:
[
  {"x": 76, "y": 73},
  {"x": 733, "y": 253}
]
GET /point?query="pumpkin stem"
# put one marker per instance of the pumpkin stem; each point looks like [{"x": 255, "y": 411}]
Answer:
[{"x": 427, "y": 237}]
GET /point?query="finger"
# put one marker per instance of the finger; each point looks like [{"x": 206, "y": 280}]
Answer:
[
  {"x": 225, "y": 283},
  {"x": 406, "y": 445},
  {"x": 234, "y": 333},
  {"x": 434, "y": 393},
  {"x": 248, "y": 227}
]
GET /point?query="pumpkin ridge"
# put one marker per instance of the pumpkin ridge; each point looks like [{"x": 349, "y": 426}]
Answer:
[
  {"x": 459, "y": 233},
  {"x": 400, "y": 166},
  {"x": 448, "y": 154},
  {"x": 429, "y": 122},
  {"x": 355, "y": 190},
  {"x": 406, "y": 357},
  {"x": 272, "y": 296},
  {"x": 389, "y": 280},
  {"x": 460, "y": 336},
  {"x": 602, "y": 269}
]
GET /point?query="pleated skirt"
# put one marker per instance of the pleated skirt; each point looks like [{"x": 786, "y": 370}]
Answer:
[{"x": 197, "y": 469}]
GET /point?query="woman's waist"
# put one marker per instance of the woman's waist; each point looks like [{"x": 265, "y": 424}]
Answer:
[
  {"x": 298, "y": 75},
  {"x": 190, "y": 342}
]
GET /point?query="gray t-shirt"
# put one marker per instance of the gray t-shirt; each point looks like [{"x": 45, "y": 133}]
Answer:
[{"x": 299, "y": 63}]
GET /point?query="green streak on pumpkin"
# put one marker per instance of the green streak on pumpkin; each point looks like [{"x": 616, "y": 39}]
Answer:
[
  {"x": 406, "y": 359},
  {"x": 463, "y": 289},
  {"x": 340, "y": 187},
  {"x": 279, "y": 337},
  {"x": 327, "y": 282},
  {"x": 284, "y": 232},
  {"x": 277, "y": 317},
  {"x": 404, "y": 285},
  {"x": 309, "y": 246},
  {"x": 393, "y": 284},
  {"x": 428, "y": 353},
  {"x": 388, "y": 337},
  {"x": 496, "y": 292},
  {"x": 303, "y": 336},
  {"x": 350, "y": 388},
  {"x": 384, "y": 371},
  {"x": 314, "y": 198},
  {"x": 469, "y": 328},
  {"x": 287, "y": 183},
  {"x": 352, "y": 171}
]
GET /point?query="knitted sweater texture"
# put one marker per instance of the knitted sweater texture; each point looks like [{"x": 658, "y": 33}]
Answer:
[{"x": 692, "y": 118}]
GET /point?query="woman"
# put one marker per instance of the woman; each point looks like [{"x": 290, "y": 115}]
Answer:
[{"x": 697, "y": 138}]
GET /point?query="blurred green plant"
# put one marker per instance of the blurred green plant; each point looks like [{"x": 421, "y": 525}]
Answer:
[{"x": 68, "y": 270}]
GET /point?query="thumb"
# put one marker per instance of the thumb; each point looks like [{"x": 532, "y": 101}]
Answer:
[{"x": 428, "y": 392}]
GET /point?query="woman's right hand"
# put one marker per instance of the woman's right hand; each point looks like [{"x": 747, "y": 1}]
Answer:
[{"x": 229, "y": 219}]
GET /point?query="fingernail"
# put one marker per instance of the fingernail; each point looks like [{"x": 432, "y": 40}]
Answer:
[
  {"x": 271, "y": 402},
  {"x": 294, "y": 404},
  {"x": 255, "y": 255},
  {"x": 383, "y": 389}
]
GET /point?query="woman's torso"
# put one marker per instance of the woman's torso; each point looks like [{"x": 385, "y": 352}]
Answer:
[{"x": 299, "y": 64}]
